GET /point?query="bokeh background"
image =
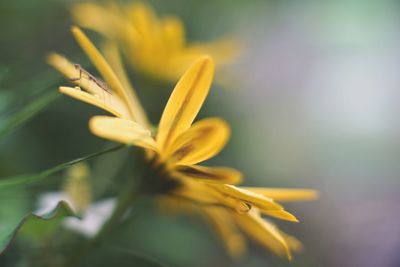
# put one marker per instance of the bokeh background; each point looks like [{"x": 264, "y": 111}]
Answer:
[{"x": 313, "y": 102}]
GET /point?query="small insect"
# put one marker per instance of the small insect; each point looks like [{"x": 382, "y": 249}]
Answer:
[{"x": 90, "y": 77}]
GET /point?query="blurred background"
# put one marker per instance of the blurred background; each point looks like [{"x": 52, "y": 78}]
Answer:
[{"x": 313, "y": 102}]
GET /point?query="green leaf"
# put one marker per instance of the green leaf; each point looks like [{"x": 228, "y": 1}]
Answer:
[
  {"x": 33, "y": 225},
  {"x": 6, "y": 183},
  {"x": 9, "y": 124},
  {"x": 13, "y": 206}
]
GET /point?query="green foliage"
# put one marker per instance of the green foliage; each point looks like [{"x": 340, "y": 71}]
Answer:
[
  {"x": 123, "y": 257},
  {"x": 13, "y": 206},
  {"x": 28, "y": 179},
  {"x": 12, "y": 122},
  {"x": 31, "y": 225}
]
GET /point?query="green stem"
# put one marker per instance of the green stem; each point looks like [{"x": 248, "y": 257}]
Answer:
[{"x": 124, "y": 203}]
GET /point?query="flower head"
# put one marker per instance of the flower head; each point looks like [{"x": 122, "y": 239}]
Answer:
[
  {"x": 178, "y": 146},
  {"x": 155, "y": 45}
]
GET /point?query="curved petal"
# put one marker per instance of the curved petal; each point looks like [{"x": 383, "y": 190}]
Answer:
[
  {"x": 203, "y": 195},
  {"x": 219, "y": 175},
  {"x": 294, "y": 244},
  {"x": 122, "y": 131},
  {"x": 280, "y": 214},
  {"x": 185, "y": 101},
  {"x": 264, "y": 204},
  {"x": 263, "y": 232},
  {"x": 113, "y": 56},
  {"x": 101, "y": 64},
  {"x": 255, "y": 199},
  {"x": 285, "y": 194},
  {"x": 200, "y": 142},
  {"x": 92, "y": 100}
]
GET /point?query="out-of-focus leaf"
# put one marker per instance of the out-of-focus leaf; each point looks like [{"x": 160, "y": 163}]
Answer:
[
  {"x": 34, "y": 225},
  {"x": 9, "y": 124},
  {"x": 13, "y": 207},
  {"x": 40, "y": 227},
  {"x": 29, "y": 179}
]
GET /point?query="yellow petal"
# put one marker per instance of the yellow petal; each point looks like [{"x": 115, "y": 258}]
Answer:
[
  {"x": 78, "y": 187},
  {"x": 122, "y": 131},
  {"x": 285, "y": 194},
  {"x": 113, "y": 56},
  {"x": 174, "y": 33},
  {"x": 71, "y": 72},
  {"x": 146, "y": 44},
  {"x": 206, "y": 196},
  {"x": 200, "y": 142},
  {"x": 223, "y": 223},
  {"x": 105, "y": 19},
  {"x": 101, "y": 64},
  {"x": 253, "y": 198},
  {"x": 143, "y": 18},
  {"x": 185, "y": 101},
  {"x": 102, "y": 103},
  {"x": 264, "y": 233},
  {"x": 281, "y": 214},
  {"x": 196, "y": 191},
  {"x": 209, "y": 174},
  {"x": 293, "y": 243}
]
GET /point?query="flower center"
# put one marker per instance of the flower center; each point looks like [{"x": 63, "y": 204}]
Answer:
[{"x": 156, "y": 178}]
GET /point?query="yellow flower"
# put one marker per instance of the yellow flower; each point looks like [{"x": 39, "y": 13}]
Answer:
[
  {"x": 177, "y": 147},
  {"x": 155, "y": 45},
  {"x": 77, "y": 186}
]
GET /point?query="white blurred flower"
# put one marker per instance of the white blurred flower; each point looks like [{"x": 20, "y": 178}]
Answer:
[{"x": 92, "y": 219}]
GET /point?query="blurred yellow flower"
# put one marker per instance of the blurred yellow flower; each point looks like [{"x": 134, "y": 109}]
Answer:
[
  {"x": 178, "y": 146},
  {"x": 154, "y": 45},
  {"x": 77, "y": 186}
]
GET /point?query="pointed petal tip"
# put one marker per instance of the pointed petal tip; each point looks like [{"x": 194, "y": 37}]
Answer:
[
  {"x": 290, "y": 217},
  {"x": 62, "y": 89},
  {"x": 50, "y": 56},
  {"x": 207, "y": 59},
  {"x": 289, "y": 256},
  {"x": 93, "y": 121},
  {"x": 78, "y": 34},
  {"x": 75, "y": 29},
  {"x": 55, "y": 59}
]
